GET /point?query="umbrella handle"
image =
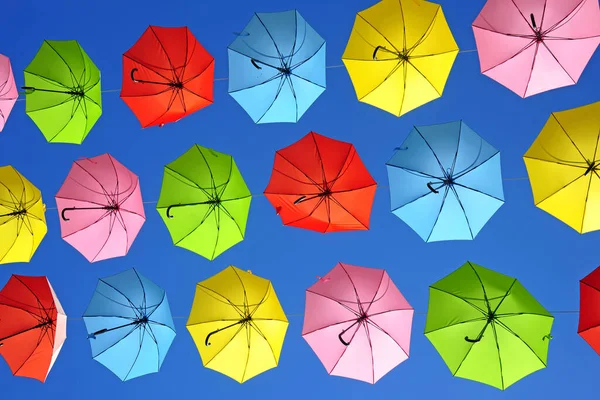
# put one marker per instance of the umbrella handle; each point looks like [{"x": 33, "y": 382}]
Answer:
[
  {"x": 132, "y": 73},
  {"x": 375, "y": 52},
  {"x": 28, "y": 89},
  {"x": 342, "y": 340},
  {"x": 169, "y": 211},
  {"x": 62, "y": 214},
  {"x": 300, "y": 199},
  {"x": 533, "y": 21},
  {"x": 472, "y": 340},
  {"x": 432, "y": 188},
  {"x": 253, "y": 61}
]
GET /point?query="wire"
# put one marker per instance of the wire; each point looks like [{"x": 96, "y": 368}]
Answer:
[{"x": 522, "y": 178}]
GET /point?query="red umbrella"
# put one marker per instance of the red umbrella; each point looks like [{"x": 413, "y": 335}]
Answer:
[
  {"x": 167, "y": 74},
  {"x": 589, "y": 309},
  {"x": 33, "y": 326},
  {"x": 321, "y": 184}
]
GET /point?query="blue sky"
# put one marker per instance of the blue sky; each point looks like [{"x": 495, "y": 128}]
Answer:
[{"x": 522, "y": 241}]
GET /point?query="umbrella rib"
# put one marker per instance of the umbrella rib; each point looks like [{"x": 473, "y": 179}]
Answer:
[
  {"x": 227, "y": 301},
  {"x": 225, "y": 345},
  {"x": 346, "y": 163},
  {"x": 111, "y": 225},
  {"x": 427, "y": 32},
  {"x": 366, "y": 327},
  {"x": 457, "y": 148},
  {"x": 332, "y": 198},
  {"x": 328, "y": 326},
  {"x": 298, "y": 169},
  {"x": 195, "y": 185},
  {"x": 518, "y": 53},
  {"x": 217, "y": 214},
  {"x": 432, "y": 152},
  {"x": 42, "y": 308},
  {"x": 277, "y": 76},
  {"x": 478, "y": 191},
  {"x": 567, "y": 18},
  {"x": 279, "y": 88},
  {"x": 389, "y": 75},
  {"x": 74, "y": 78},
  {"x": 163, "y": 49},
  {"x": 324, "y": 176},
  {"x": 340, "y": 302},
  {"x": 199, "y": 74},
  {"x": 377, "y": 30},
  {"x": 558, "y": 162},
  {"x": 499, "y": 356},
  {"x": 369, "y": 321},
  {"x": 244, "y": 289},
  {"x": 471, "y": 168},
  {"x": 524, "y": 18},
  {"x": 144, "y": 303},
  {"x": 272, "y": 39},
  {"x": 558, "y": 62},
  {"x": 306, "y": 80},
  {"x": 558, "y": 190},
  {"x": 148, "y": 329},
  {"x": 506, "y": 328},
  {"x": 437, "y": 218},
  {"x": 116, "y": 342},
  {"x": 377, "y": 291},
  {"x": 535, "y": 54},
  {"x": 462, "y": 207},
  {"x": 257, "y": 329},
  {"x": 133, "y": 306},
  {"x": 483, "y": 312},
  {"x": 358, "y": 302},
  {"x": 39, "y": 341},
  {"x": 143, "y": 335}
]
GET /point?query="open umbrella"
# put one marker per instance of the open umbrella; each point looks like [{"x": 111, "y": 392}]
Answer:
[
  {"x": 487, "y": 327},
  {"x": 237, "y": 324},
  {"x": 100, "y": 208},
  {"x": 400, "y": 54},
  {"x": 445, "y": 182},
  {"x": 8, "y": 90},
  {"x": 204, "y": 202},
  {"x": 167, "y": 75},
  {"x": 357, "y": 322},
  {"x": 129, "y": 325},
  {"x": 536, "y": 45},
  {"x": 321, "y": 184},
  {"x": 22, "y": 217},
  {"x": 33, "y": 326},
  {"x": 589, "y": 309},
  {"x": 563, "y": 165},
  {"x": 63, "y": 95},
  {"x": 277, "y": 67}
]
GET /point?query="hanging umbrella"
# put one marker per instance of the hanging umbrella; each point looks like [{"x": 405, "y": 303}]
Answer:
[
  {"x": 487, "y": 327},
  {"x": 8, "y": 90},
  {"x": 204, "y": 202},
  {"x": 534, "y": 46},
  {"x": 100, "y": 207},
  {"x": 129, "y": 325},
  {"x": 277, "y": 67},
  {"x": 357, "y": 322},
  {"x": 167, "y": 75},
  {"x": 400, "y": 54},
  {"x": 33, "y": 328},
  {"x": 445, "y": 182},
  {"x": 63, "y": 95},
  {"x": 564, "y": 165},
  {"x": 22, "y": 217},
  {"x": 589, "y": 302},
  {"x": 321, "y": 184},
  {"x": 237, "y": 324}
]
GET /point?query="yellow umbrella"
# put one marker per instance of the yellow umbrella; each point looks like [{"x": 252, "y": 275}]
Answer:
[
  {"x": 400, "y": 54},
  {"x": 563, "y": 164},
  {"x": 22, "y": 220},
  {"x": 237, "y": 324}
]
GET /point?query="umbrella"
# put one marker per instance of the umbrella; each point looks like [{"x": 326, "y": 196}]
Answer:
[
  {"x": 167, "y": 75},
  {"x": 129, "y": 325},
  {"x": 589, "y": 302},
  {"x": 445, "y": 182},
  {"x": 487, "y": 327},
  {"x": 321, "y": 184},
  {"x": 563, "y": 165},
  {"x": 357, "y": 322},
  {"x": 63, "y": 95},
  {"x": 237, "y": 324},
  {"x": 204, "y": 202},
  {"x": 100, "y": 207},
  {"x": 536, "y": 45},
  {"x": 400, "y": 54},
  {"x": 277, "y": 67},
  {"x": 22, "y": 217},
  {"x": 8, "y": 90},
  {"x": 33, "y": 328}
]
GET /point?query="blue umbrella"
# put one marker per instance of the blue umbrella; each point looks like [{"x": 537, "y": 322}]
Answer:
[
  {"x": 277, "y": 67},
  {"x": 129, "y": 325},
  {"x": 445, "y": 182}
]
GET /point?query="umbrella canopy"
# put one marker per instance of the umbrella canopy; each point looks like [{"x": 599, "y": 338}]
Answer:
[
  {"x": 167, "y": 75},
  {"x": 277, "y": 67},
  {"x": 445, "y": 182},
  {"x": 357, "y": 322},
  {"x": 34, "y": 326},
  {"x": 204, "y": 202},
  {"x": 63, "y": 95},
  {"x": 563, "y": 165},
  {"x": 321, "y": 184},
  {"x": 400, "y": 54},
  {"x": 589, "y": 309},
  {"x": 237, "y": 324},
  {"x": 536, "y": 45},
  {"x": 100, "y": 207},
  {"x": 487, "y": 327},
  {"x": 8, "y": 90},
  {"x": 22, "y": 217},
  {"x": 129, "y": 325}
]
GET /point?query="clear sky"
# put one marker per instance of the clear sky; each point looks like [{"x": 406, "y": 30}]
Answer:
[{"x": 522, "y": 241}]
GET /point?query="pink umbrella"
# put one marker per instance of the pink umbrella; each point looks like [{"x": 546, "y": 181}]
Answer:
[
  {"x": 357, "y": 322},
  {"x": 531, "y": 46},
  {"x": 8, "y": 90},
  {"x": 101, "y": 209}
]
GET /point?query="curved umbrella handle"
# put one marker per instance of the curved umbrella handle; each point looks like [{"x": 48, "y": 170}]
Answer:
[
  {"x": 342, "y": 339},
  {"x": 133, "y": 77},
  {"x": 472, "y": 340},
  {"x": 62, "y": 214},
  {"x": 28, "y": 89},
  {"x": 432, "y": 188},
  {"x": 169, "y": 210},
  {"x": 375, "y": 52},
  {"x": 206, "y": 342},
  {"x": 533, "y": 21},
  {"x": 253, "y": 61},
  {"x": 300, "y": 199}
]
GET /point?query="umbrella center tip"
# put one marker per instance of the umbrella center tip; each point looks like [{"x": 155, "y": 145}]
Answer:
[{"x": 177, "y": 84}]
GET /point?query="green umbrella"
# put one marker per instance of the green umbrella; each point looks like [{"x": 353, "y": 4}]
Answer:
[
  {"x": 63, "y": 95},
  {"x": 487, "y": 327},
  {"x": 204, "y": 202}
]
